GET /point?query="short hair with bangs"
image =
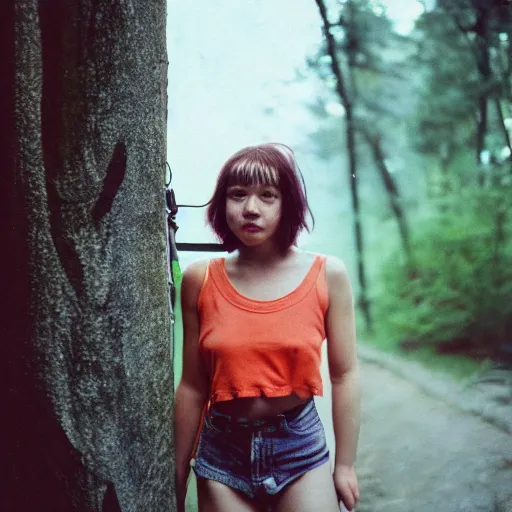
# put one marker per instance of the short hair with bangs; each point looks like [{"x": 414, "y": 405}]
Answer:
[{"x": 270, "y": 164}]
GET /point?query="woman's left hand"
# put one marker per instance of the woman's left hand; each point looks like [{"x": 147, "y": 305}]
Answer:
[{"x": 347, "y": 488}]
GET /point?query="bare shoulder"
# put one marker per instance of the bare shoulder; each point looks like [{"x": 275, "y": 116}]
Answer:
[
  {"x": 336, "y": 274},
  {"x": 192, "y": 281},
  {"x": 305, "y": 258},
  {"x": 196, "y": 270}
]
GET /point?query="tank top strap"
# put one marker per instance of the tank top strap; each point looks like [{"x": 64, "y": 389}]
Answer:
[
  {"x": 321, "y": 283},
  {"x": 207, "y": 280}
]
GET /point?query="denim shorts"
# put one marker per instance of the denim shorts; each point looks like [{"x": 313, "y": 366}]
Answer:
[{"x": 261, "y": 460}]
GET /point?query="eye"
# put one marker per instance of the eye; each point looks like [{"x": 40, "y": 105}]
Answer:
[
  {"x": 236, "y": 194},
  {"x": 268, "y": 194}
]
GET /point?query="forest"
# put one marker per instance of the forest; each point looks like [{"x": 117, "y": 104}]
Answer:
[
  {"x": 425, "y": 130},
  {"x": 409, "y": 173},
  {"x": 410, "y": 141},
  {"x": 406, "y": 148}
]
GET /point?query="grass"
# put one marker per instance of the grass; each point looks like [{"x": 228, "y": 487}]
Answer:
[
  {"x": 178, "y": 340},
  {"x": 458, "y": 366},
  {"x": 191, "y": 501}
]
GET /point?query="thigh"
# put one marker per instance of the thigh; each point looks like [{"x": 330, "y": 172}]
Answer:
[
  {"x": 311, "y": 492},
  {"x": 217, "y": 497}
]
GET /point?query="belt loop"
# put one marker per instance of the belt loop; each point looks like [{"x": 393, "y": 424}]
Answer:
[{"x": 208, "y": 412}]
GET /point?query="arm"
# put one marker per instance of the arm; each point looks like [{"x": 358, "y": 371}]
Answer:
[
  {"x": 344, "y": 375},
  {"x": 192, "y": 391}
]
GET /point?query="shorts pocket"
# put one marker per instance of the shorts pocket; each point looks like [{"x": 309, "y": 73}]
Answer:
[
  {"x": 305, "y": 423},
  {"x": 209, "y": 426}
]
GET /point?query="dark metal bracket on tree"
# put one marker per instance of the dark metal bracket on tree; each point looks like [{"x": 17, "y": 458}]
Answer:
[
  {"x": 172, "y": 210},
  {"x": 173, "y": 247}
]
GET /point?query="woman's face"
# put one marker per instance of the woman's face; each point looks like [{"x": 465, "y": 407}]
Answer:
[{"x": 253, "y": 212}]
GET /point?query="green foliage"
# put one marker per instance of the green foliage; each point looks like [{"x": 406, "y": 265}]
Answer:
[
  {"x": 459, "y": 286},
  {"x": 464, "y": 57},
  {"x": 178, "y": 337},
  {"x": 447, "y": 98},
  {"x": 371, "y": 57}
]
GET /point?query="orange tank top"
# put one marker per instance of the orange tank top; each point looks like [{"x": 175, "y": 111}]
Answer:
[{"x": 262, "y": 348}]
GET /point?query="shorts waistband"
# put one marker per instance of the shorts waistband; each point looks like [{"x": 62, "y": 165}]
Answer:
[{"x": 224, "y": 421}]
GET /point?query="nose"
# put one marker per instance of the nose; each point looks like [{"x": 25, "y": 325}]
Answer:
[{"x": 251, "y": 205}]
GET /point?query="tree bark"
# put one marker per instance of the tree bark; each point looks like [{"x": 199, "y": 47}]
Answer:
[
  {"x": 86, "y": 345},
  {"x": 352, "y": 162}
]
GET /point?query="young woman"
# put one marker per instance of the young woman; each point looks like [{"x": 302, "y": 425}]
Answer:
[{"x": 254, "y": 323}]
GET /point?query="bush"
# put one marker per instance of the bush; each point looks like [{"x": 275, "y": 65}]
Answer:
[{"x": 457, "y": 288}]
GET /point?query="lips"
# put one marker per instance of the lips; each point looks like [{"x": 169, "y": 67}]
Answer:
[{"x": 251, "y": 228}]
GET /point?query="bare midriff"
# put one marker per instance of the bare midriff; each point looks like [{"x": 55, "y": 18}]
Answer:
[{"x": 259, "y": 407}]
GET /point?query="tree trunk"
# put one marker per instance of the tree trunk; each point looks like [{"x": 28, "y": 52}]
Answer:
[
  {"x": 352, "y": 161},
  {"x": 86, "y": 329},
  {"x": 391, "y": 188},
  {"x": 484, "y": 67},
  {"x": 481, "y": 132},
  {"x": 503, "y": 128},
  {"x": 481, "y": 50}
]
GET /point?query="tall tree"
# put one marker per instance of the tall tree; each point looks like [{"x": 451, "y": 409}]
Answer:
[
  {"x": 472, "y": 85},
  {"x": 363, "y": 52},
  {"x": 374, "y": 141},
  {"x": 367, "y": 37},
  {"x": 444, "y": 125},
  {"x": 86, "y": 325},
  {"x": 483, "y": 22},
  {"x": 350, "y": 128}
]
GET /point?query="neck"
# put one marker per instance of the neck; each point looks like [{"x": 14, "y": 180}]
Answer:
[{"x": 262, "y": 255}]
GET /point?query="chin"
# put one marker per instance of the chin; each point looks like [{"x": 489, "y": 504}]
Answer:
[{"x": 251, "y": 242}]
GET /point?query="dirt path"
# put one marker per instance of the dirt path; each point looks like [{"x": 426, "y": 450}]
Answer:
[{"x": 417, "y": 454}]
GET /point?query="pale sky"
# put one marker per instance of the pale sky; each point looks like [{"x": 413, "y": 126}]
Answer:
[
  {"x": 403, "y": 13},
  {"x": 228, "y": 61}
]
